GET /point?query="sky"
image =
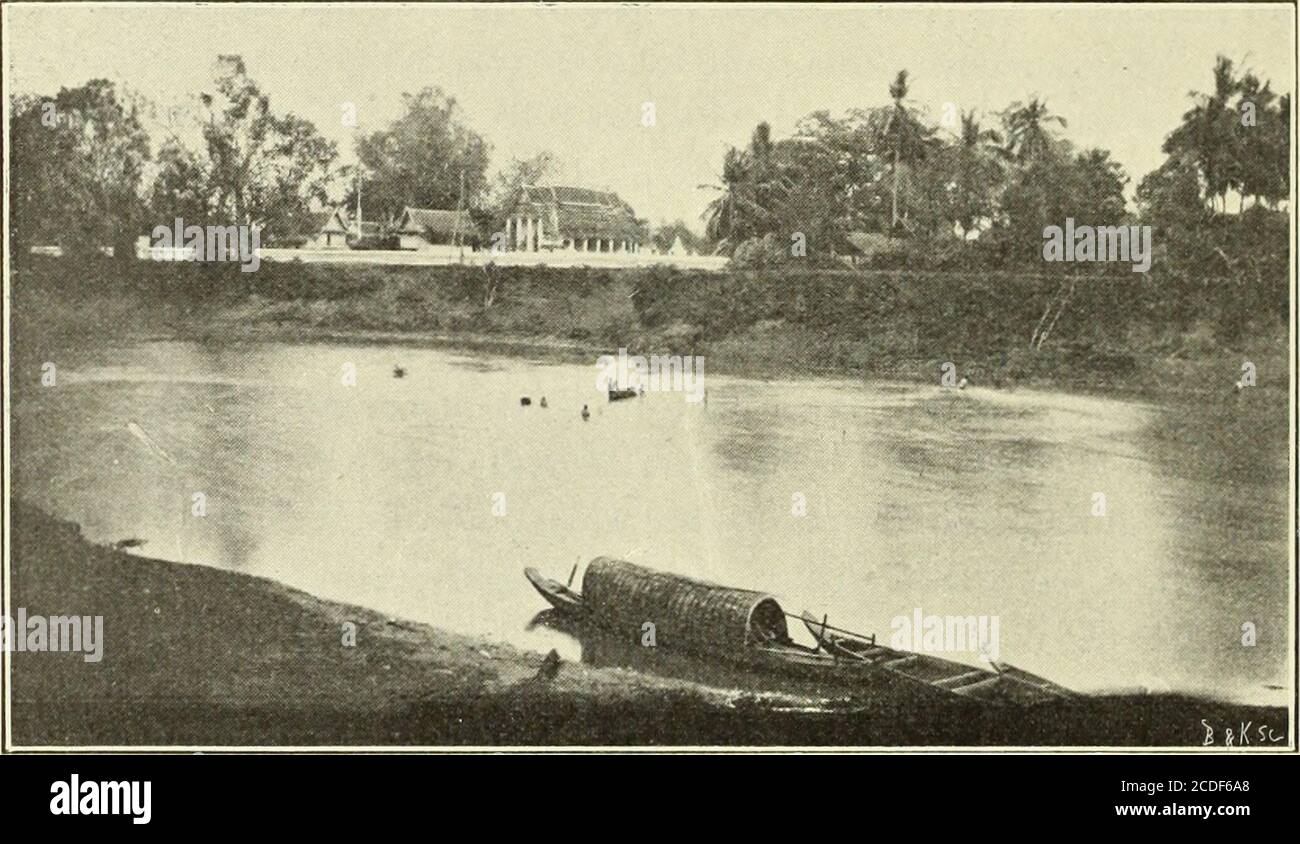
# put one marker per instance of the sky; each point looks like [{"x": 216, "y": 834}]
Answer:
[{"x": 574, "y": 80}]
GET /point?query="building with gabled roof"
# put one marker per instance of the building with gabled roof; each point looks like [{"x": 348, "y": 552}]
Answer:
[
  {"x": 332, "y": 230},
  {"x": 552, "y": 217},
  {"x": 418, "y": 228}
]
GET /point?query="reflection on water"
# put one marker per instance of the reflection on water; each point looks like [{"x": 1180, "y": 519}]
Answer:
[{"x": 382, "y": 494}]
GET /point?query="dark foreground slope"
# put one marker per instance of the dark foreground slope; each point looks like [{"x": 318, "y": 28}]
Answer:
[{"x": 195, "y": 655}]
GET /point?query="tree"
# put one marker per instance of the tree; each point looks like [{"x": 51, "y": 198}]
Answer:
[
  {"x": 1096, "y": 189},
  {"x": 816, "y": 202},
  {"x": 731, "y": 216},
  {"x": 1207, "y": 133},
  {"x": 1237, "y": 137},
  {"x": 76, "y": 162},
  {"x": 181, "y": 188},
  {"x": 906, "y": 138},
  {"x": 1262, "y": 141},
  {"x": 948, "y": 188},
  {"x": 1028, "y": 134},
  {"x": 751, "y": 193},
  {"x": 1047, "y": 190},
  {"x": 974, "y": 166},
  {"x": 427, "y": 158},
  {"x": 264, "y": 170},
  {"x": 842, "y": 165},
  {"x": 520, "y": 172}
]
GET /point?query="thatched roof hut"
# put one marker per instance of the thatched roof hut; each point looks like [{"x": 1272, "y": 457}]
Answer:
[{"x": 686, "y": 613}]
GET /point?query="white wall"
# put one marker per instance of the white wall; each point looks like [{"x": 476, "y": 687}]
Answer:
[{"x": 445, "y": 255}]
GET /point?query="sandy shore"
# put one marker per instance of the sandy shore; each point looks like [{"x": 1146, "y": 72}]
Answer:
[{"x": 201, "y": 656}]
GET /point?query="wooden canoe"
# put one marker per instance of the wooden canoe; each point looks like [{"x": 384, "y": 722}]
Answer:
[
  {"x": 719, "y": 625},
  {"x": 556, "y": 594},
  {"x": 1005, "y": 683}
]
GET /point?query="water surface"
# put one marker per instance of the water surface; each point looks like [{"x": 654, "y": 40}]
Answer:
[{"x": 425, "y": 497}]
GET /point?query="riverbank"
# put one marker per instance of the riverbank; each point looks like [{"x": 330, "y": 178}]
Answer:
[
  {"x": 1171, "y": 341},
  {"x": 200, "y": 656}
]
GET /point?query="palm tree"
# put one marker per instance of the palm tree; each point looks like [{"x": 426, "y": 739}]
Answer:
[
  {"x": 751, "y": 193},
  {"x": 1256, "y": 171},
  {"x": 977, "y": 169},
  {"x": 1208, "y": 133},
  {"x": 974, "y": 136},
  {"x": 897, "y": 92},
  {"x": 908, "y": 139},
  {"x": 727, "y": 216},
  {"x": 1028, "y": 137}
]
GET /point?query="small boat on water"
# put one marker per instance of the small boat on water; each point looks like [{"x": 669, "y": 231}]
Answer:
[
  {"x": 746, "y": 628},
  {"x": 619, "y": 395}
]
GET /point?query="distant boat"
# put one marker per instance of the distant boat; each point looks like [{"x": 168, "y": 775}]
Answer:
[{"x": 619, "y": 395}]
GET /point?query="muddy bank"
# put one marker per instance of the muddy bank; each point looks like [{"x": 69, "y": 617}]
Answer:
[
  {"x": 195, "y": 655},
  {"x": 199, "y": 655}
]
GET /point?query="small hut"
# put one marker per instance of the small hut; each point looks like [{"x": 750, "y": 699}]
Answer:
[{"x": 686, "y": 613}]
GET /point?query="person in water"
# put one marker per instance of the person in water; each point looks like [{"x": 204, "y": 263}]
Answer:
[
  {"x": 543, "y": 401},
  {"x": 586, "y": 414}
]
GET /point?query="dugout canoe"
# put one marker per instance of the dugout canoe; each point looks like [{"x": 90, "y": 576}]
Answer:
[
  {"x": 639, "y": 605},
  {"x": 659, "y": 615},
  {"x": 1004, "y": 684},
  {"x": 556, "y": 594},
  {"x": 654, "y": 610}
]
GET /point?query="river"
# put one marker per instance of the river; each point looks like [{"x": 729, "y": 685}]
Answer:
[{"x": 425, "y": 496}]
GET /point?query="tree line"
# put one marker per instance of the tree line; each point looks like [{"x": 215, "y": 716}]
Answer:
[
  {"x": 970, "y": 188},
  {"x": 87, "y": 173},
  {"x": 983, "y": 187}
]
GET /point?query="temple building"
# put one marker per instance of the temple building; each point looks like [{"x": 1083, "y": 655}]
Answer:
[
  {"x": 420, "y": 228},
  {"x": 547, "y": 218},
  {"x": 331, "y": 230}
]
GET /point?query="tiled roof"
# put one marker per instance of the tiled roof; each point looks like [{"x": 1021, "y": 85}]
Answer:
[
  {"x": 333, "y": 222},
  {"x": 423, "y": 220},
  {"x": 578, "y": 213}
]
